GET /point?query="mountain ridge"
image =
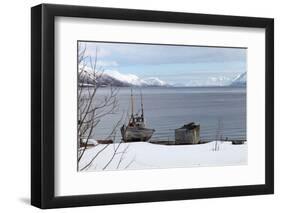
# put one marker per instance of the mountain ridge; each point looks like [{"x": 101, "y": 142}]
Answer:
[
  {"x": 240, "y": 80},
  {"x": 117, "y": 79},
  {"x": 121, "y": 80}
]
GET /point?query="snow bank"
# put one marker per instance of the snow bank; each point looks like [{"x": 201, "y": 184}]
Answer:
[
  {"x": 143, "y": 155},
  {"x": 90, "y": 142}
]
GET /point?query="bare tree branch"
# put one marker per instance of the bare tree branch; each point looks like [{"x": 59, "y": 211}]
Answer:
[
  {"x": 91, "y": 110},
  {"x": 122, "y": 156},
  {"x": 98, "y": 153},
  {"x": 130, "y": 163}
]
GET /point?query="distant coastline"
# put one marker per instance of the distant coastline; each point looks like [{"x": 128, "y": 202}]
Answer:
[{"x": 121, "y": 80}]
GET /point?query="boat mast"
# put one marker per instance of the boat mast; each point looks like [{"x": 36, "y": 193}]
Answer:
[
  {"x": 142, "y": 116},
  {"x": 132, "y": 105}
]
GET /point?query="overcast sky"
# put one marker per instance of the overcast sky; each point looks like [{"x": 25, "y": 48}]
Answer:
[{"x": 186, "y": 65}]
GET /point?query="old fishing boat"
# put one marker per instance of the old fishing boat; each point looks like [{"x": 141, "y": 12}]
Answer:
[{"x": 135, "y": 130}]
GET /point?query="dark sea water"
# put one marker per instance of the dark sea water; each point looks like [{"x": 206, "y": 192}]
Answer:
[{"x": 217, "y": 109}]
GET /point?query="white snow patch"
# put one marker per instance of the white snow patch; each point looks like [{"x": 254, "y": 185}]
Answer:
[
  {"x": 90, "y": 141},
  {"x": 127, "y": 78},
  {"x": 155, "y": 81},
  {"x": 134, "y": 79}
]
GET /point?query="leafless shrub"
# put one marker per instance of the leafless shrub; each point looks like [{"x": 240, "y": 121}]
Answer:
[
  {"x": 218, "y": 135},
  {"x": 92, "y": 110}
]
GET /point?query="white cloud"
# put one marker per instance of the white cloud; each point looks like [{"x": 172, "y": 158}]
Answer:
[
  {"x": 92, "y": 50},
  {"x": 104, "y": 64}
]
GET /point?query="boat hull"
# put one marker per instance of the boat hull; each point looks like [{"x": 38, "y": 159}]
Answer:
[{"x": 134, "y": 134}]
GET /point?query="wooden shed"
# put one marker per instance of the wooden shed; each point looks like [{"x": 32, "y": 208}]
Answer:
[{"x": 188, "y": 134}]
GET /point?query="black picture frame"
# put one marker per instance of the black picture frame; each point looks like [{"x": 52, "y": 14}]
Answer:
[{"x": 43, "y": 105}]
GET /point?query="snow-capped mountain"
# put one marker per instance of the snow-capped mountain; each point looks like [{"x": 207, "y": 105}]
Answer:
[
  {"x": 115, "y": 78},
  {"x": 240, "y": 80},
  {"x": 129, "y": 79},
  {"x": 153, "y": 81}
]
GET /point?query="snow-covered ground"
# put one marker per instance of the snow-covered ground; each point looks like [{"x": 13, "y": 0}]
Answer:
[{"x": 143, "y": 155}]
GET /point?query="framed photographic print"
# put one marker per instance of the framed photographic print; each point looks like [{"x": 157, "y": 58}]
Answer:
[{"x": 139, "y": 106}]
